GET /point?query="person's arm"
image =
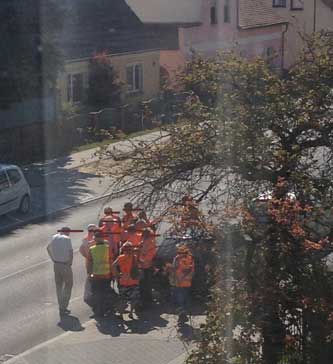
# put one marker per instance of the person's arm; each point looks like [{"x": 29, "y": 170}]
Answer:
[
  {"x": 83, "y": 248},
  {"x": 71, "y": 255},
  {"x": 89, "y": 264},
  {"x": 49, "y": 251},
  {"x": 114, "y": 269}
]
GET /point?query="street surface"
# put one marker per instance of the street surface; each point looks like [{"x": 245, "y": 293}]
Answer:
[{"x": 29, "y": 310}]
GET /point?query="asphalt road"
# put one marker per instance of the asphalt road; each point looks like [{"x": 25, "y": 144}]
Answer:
[{"x": 28, "y": 305}]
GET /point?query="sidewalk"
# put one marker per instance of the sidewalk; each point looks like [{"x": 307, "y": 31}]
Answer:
[
  {"x": 153, "y": 339},
  {"x": 60, "y": 184}
]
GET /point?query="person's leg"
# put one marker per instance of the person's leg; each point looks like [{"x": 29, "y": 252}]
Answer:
[
  {"x": 68, "y": 285},
  {"x": 59, "y": 282},
  {"x": 146, "y": 286}
]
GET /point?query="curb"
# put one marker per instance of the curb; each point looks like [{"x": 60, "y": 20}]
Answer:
[
  {"x": 41, "y": 218},
  {"x": 44, "y": 344}
]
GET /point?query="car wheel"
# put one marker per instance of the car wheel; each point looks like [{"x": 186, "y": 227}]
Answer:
[{"x": 24, "y": 205}]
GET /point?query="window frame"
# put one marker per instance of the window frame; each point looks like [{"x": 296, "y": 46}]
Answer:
[
  {"x": 13, "y": 182},
  {"x": 226, "y": 12},
  {"x": 141, "y": 81},
  {"x": 70, "y": 87},
  {"x": 279, "y": 3},
  {"x": 8, "y": 181},
  {"x": 296, "y": 7},
  {"x": 213, "y": 15}
]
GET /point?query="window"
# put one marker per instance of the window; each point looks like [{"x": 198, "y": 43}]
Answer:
[
  {"x": 14, "y": 176},
  {"x": 75, "y": 87},
  {"x": 297, "y": 4},
  {"x": 226, "y": 16},
  {"x": 4, "y": 183},
  {"x": 279, "y": 3},
  {"x": 213, "y": 15},
  {"x": 134, "y": 77}
]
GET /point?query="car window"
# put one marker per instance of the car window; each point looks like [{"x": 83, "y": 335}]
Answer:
[
  {"x": 14, "y": 175},
  {"x": 4, "y": 183}
]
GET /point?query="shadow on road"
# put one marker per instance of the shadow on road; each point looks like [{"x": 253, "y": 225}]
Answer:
[{"x": 70, "y": 323}]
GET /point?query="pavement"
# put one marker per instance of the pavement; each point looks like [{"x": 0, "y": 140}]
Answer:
[
  {"x": 153, "y": 338},
  {"x": 60, "y": 184},
  {"x": 57, "y": 185}
]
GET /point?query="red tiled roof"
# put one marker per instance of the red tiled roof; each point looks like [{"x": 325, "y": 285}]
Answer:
[{"x": 256, "y": 14}]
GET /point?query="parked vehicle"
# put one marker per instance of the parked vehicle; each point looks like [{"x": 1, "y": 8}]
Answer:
[{"x": 14, "y": 190}]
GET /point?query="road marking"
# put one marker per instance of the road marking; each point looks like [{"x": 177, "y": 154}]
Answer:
[{"x": 28, "y": 268}]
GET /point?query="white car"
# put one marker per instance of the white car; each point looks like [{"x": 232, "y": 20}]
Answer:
[{"x": 14, "y": 190}]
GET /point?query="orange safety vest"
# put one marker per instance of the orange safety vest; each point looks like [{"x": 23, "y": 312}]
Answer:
[
  {"x": 147, "y": 253},
  {"x": 101, "y": 257},
  {"x": 183, "y": 266},
  {"x": 125, "y": 263},
  {"x": 135, "y": 238},
  {"x": 128, "y": 219}
]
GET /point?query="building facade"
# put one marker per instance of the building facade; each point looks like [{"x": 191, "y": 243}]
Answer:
[{"x": 303, "y": 17}]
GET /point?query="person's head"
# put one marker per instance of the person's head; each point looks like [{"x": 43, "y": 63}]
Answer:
[
  {"x": 65, "y": 230},
  {"x": 127, "y": 248},
  {"x": 128, "y": 207},
  {"x": 108, "y": 210},
  {"x": 142, "y": 215},
  {"x": 99, "y": 236},
  {"x": 92, "y": 228}
]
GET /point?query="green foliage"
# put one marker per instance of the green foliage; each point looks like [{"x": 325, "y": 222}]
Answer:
[
  {"x": 104, "y": 87},
  {"x": 243, "y": 132}
]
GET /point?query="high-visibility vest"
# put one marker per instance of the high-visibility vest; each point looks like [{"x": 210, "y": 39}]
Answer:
[
  {"x": 125, "y": 263},
  {"x": 183, "y": 270},
  {"x": 100, "y": 254}
]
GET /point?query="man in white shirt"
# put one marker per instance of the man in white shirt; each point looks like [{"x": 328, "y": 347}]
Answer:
[{"x": 61, "y": 253}]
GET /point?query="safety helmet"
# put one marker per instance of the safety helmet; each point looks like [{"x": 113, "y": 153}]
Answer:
[
  {"x": 127, "y": 246},
  {"x": 92, "y": 227}
]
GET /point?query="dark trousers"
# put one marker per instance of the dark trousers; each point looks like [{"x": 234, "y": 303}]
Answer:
[
  {"x": 146, "y": 286},
  {"x": 181, "y": 296},
  {"x": 100, "y": 289}
]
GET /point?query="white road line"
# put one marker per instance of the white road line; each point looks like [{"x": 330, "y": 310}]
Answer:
[{"x": 28, "y": 268}]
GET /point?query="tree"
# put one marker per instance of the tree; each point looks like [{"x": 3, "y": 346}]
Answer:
[
  {"x": 104, "y": 86},
  {"x": 30, "y": 56},
  {"x": 245, "y": 132}
]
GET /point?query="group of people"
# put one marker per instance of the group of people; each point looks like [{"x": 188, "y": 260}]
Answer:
[{"x": 119, "y": 255}]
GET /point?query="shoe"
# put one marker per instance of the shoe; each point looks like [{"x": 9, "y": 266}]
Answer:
[{"x": 64, "y": 312}]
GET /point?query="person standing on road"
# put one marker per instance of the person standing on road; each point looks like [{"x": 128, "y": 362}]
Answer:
[
  {"x": 88, "y": 240},
  {"x": 60, "y": 251},
  {"x": 125, "y": 269},
  {"x": 108, "y": 212},
  {"x": 183, "y": 271},
  {"x": 129, "y": 217},
  {"x": 99, "y": 262},
  {"x": 147, "y": 252}
]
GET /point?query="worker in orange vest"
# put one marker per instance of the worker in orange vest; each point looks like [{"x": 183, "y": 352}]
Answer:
[
  {"x": 99, "y": 269},
  {"x": 112, "y": 232},
  {"x": 129, "y": 217},
  {"x": 183, "y": 271},
  {"x": 108, "y": 212},
  {"x": 132, "y": 235},
  {"x": 125, "y": 269},
  {"x": 147, "y": 252}
]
